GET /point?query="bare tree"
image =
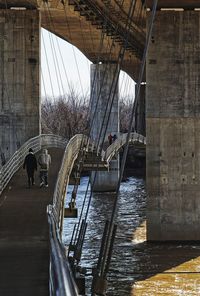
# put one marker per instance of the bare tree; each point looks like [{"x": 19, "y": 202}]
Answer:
[
  {"x": 68, "y": 115},
  {"x": 125, "y": 108},
  {"x": 65, "y": 116}
]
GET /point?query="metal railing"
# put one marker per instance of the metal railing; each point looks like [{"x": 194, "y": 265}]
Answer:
[
  {"x": 71, "y": 152},
  {"x": 61, "y": 278},
  {"x": 61, "y": 281},
  {"x": 120, "y": 142},
  {"x": 16, "y": 161}
]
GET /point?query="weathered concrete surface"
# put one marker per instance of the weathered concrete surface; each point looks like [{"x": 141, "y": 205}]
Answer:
[
  {"x": 19, "y": 78},
  {"x": 98, "y": 28},
  {"x": 105, "y": 118},
  {"x": 173, "y": 127},
  {"x": 24, "y": 237},
  {"x": 84, "y": 27},
  {"x": 186, "y": 4}
]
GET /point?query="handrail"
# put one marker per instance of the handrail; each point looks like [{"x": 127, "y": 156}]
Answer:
[
  {"x": 16, "y": 161},
  {"x": 71, "y": 153},
  {"x": 120, "y": 142},
  {"x": 61, "y": 278}
]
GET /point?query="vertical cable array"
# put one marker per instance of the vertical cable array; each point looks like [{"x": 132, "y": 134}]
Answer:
[{"x": 79, "y": 232}]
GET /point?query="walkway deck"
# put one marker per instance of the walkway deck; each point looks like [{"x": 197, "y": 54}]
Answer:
[{"x": 24, "y": 245}]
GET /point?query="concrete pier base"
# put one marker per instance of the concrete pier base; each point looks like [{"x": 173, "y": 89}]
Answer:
[
  {"x": 104, "y": 90},
  {"x": 107, "y": 181},
  {"x": 173, "y": 127},
  {"x": 19, "y": 79}
]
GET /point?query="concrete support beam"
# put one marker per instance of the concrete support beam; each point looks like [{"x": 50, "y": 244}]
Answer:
[
  {"x": 173, "y": 127},
  {"x": 19, "y": 78},
  {"x": 140, "y": 120},
  {"x": 104, "y": 90}
]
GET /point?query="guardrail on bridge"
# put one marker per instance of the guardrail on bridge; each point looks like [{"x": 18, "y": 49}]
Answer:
[
  {"x": 120, "y": 142},
  {"x": 17, "y": 159}
]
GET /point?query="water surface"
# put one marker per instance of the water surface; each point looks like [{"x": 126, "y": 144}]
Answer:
[{"x": 130, "y": 216}]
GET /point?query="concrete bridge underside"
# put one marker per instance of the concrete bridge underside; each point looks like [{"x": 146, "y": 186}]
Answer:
[
  {"x": 97, "y": 28},
  {"x": 82, "y": 23}
]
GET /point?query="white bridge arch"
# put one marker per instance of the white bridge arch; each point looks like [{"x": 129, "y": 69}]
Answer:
[{"x": 113, "y": 149}]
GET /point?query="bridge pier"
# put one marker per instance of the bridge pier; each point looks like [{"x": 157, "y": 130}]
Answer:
[
  {"x": 104, "y": 89},
  {"x": 173, "y": 127},
  {"x": 19, "y": 78}
]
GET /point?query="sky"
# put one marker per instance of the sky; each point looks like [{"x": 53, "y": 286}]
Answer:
[{"x": 63, "y": 66}]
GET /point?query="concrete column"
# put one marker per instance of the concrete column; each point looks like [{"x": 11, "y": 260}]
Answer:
[
  {"x": 104, "y": 89},
  {"x": 140, "y": 121},
  {"x": 19, "y": 78},
  {"x": 173, "y": 127}
]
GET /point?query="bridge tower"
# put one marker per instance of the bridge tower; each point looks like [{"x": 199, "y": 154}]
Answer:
[
  {"x": 105, "y": 110},
  {"x": 173, "y": 126},
  {"x": 19, "y": 78}
]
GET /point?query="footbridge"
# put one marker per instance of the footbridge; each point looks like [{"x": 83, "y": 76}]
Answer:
[
  {"x": 33, "y": 258},
  {"x": 120, "y": 142}
]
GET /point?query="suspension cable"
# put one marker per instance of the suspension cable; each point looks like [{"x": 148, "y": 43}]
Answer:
[
  {"x": 116, "y": 77},
  {"x": 131, "y": 10},
  {"x": 132, "y": 118},
  {"x": 94, "y": 115},
  {"x": 54, "y": 54},
  {"x": 48, "y": 68}
]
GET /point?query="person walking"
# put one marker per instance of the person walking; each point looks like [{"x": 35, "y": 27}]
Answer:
[
  {"x": 110, "y": 139},
  {"x": 114, "y": 137},
  {"x": 44, "y": 161},
  {"x": 30, "y": 164}
]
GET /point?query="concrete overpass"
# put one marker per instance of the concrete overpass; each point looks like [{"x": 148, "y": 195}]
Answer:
[{"x": 83, "y": 22}]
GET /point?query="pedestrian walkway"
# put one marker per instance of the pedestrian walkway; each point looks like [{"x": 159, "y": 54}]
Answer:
[{"x": 24, "y": 244}]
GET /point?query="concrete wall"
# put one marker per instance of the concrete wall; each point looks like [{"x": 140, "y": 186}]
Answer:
[
  {"x": 104, "y": 89},
  {"x": 173, "y": 127},
  {"x": 19, "y": 78}
]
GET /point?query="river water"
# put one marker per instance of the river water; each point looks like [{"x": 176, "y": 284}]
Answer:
[{"x": 130, "y": 217}]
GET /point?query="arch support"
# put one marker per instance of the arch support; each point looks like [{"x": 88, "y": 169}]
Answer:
[{"x": 19, "y": 78}]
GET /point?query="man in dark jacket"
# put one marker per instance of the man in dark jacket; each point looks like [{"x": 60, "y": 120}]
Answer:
[{"x": 30, "y": 163}]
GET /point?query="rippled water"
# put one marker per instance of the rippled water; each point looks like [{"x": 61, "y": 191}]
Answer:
[{"x": 130, "y": 215}]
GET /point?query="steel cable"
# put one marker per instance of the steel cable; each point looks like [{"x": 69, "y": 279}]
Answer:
[{"x": 112, "y": 220}]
